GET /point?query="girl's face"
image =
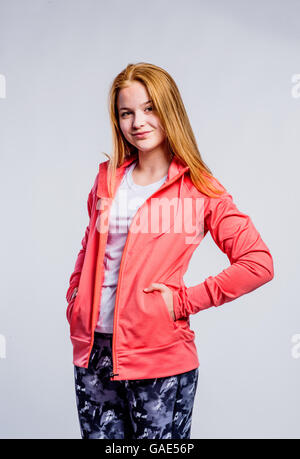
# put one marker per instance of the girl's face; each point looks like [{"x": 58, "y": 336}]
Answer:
[{"x": 136, "y": 114}]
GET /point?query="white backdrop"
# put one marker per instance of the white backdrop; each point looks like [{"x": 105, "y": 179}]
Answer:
[{"x": 236, "y": 64}]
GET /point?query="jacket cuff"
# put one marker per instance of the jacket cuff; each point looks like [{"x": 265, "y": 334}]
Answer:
[
  {"x": 177, "y": 305},
  {"x": 197, "y": 298}
]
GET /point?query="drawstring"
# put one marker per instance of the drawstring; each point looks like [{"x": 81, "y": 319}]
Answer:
[
  {"x": 180, "y": 192},
  {"x": 179, "y": 196},
  {"x": 177, "y": 207}
]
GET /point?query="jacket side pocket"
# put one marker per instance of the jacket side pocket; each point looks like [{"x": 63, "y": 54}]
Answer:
[
  {"x": 165, "y": 307},
  {"x": 69, "y": 310}
]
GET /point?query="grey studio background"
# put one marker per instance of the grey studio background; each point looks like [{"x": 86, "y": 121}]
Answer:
[{"x": 237, "y": 66}]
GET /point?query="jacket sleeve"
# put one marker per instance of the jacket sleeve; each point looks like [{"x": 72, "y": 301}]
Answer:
[
  {"x": 75, "y": 276},
  {"x": 251, "y": 263}
]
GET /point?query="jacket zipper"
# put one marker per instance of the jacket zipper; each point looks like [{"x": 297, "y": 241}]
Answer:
[{"x": 112, "y": 374}]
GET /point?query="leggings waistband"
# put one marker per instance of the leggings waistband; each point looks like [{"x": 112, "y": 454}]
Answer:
[{"x": 102, "y": 335}]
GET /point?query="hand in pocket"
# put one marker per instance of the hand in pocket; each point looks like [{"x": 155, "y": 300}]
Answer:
[{"x": 166, "y": 293}]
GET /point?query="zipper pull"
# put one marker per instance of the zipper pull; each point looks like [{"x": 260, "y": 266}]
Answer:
[{"x": 112, "y": 374}]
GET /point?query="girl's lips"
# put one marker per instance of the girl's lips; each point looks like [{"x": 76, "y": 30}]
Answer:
[{"x": 139, "y": 136}]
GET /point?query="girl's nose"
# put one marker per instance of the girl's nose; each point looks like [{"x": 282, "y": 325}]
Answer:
[{"x": 138, "y": 120}]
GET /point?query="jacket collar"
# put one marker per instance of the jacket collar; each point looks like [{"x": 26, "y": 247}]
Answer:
[{"x": 176, "y": 168}]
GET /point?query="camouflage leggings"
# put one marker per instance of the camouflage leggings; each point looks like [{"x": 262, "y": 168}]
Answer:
[{"x": 131, "y": 409}]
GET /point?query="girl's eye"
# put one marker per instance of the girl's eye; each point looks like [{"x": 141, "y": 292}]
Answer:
[{"x": 126, "y": 113}]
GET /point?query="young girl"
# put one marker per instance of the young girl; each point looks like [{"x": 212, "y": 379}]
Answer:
[{"x": 152, "y": 202}]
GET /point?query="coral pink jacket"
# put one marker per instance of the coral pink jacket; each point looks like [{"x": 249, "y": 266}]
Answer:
[{"x": 147, "y": 342}]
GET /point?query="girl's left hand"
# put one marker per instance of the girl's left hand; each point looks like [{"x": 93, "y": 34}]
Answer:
[{"x": 166, "y": 293}]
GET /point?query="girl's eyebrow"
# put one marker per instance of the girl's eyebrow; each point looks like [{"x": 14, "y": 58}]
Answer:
[{"x": 126, "y": 108}]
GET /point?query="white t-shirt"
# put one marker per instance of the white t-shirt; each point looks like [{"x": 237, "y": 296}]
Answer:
[{"x": 128, "y": 199}]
